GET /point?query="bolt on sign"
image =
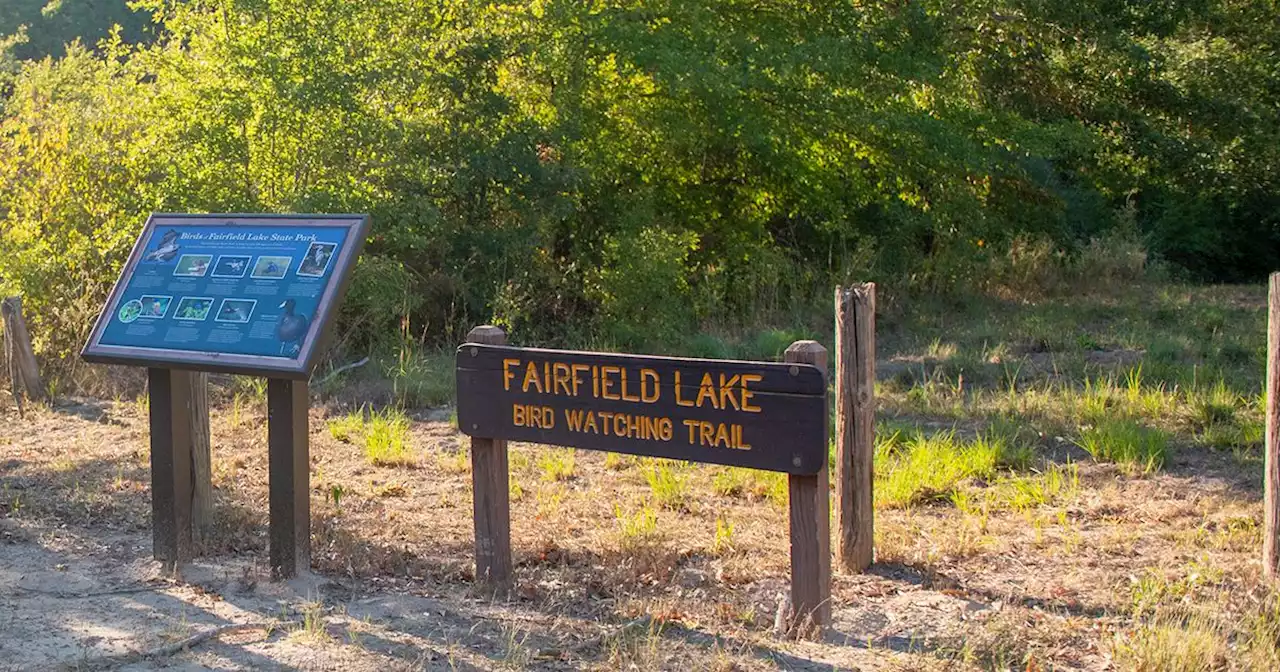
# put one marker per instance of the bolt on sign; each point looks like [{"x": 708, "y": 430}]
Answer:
[{"x": 747, "y": 414}]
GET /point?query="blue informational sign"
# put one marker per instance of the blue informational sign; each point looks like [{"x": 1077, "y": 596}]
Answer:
[{"x": 236, "y": 293}]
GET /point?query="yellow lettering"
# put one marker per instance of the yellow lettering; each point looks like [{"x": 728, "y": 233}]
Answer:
[
  {"x": 633, "y": 397},
  {"x": 679, "y": 401},
  {"x": 652, "y": 427},
  {"x": 517, "y": 415},
  {"x": 605, "y": 417},
  {"x": 665, "y": 429},
  {"x": 636, "y": 427},
  {"x": 707, "y": 391},
  {"x": 619, "y": 425},
  {"x": 573, "y": 419},
  {"x": 647, "y": 376},
  {"x": 726, "y": 393},
  {"x": 595, "y": 382},
  {"x": 531, "y": 376},
  {"x": 692, "y": 425},
  {"x": 578, "y": 368},
  {"x": 560, "y": 376},
  {"x": 722, "y": 434},
  {"x": 507, "y": 375},
  {"x": 706, "y": 434},
  {"x": 737, "y": 439},
  {"x": 747, "y": 394},
  {"x": 591, "y": 423},
  {"x": 548, "y": 420},
  {"x": 606, "y": 384}
]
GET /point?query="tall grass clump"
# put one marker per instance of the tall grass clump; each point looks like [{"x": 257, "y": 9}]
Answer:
[
  {"x": 668, "y": 483},
  {"x": 386, "y": 439},
  {"x": 1135, "y": 448},
  {"x": 930, "y": 467}
]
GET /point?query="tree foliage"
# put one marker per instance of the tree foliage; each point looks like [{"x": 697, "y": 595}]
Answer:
[{"x": 635, "y": 168}]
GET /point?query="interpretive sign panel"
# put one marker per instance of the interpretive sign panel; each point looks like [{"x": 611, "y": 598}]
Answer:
[
  {"x": 748, "y": 414},
  {"x": 248, "y": 294}
]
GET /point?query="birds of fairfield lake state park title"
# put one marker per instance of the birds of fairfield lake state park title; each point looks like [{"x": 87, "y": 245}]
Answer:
[
  {"x": 291, "y": 329},
  {"x": 167, "y": 249}
]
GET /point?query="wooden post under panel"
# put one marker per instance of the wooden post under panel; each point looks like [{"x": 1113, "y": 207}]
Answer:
[
  {"x": 201, "y": 455},
  {"x": 855, "y": 425},
  {"x": 810, "y": 524},
  {"x": 289, "y": 463},
  {"x": 490, "y": 491},
  {"x": 24, "y": 371},
  {"x": 170, "y": 406},
  {"x": 1271, "y": 465}
]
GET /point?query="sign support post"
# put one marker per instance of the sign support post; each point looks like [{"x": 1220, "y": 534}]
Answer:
[
  {"x": 170, "y": 407},
  {"x": 289, "y": 462},
  {"x": 491, "y": 493},
  {"x": 810, "y": 524}
]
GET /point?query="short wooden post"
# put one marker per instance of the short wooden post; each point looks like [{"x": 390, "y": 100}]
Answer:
[
  {"x": 810, "y": 524},
  {"x": 201, "y": 454},
  {"x": 289, "y": 463},
  {"x": 855, "y": 425},
  {"x": 1271, "y": 464},
  {"x": 491, "y": 497},
  {"x": 24, "y": 371},
  {"x": 170, "y": 404}
]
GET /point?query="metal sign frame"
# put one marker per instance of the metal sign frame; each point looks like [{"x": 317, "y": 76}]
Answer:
[{"x": 299, "y": 367}]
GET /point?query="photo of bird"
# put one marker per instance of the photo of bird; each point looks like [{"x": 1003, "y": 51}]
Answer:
[
  {"x": 291, "y": 329},
  {"x": 235, "y": 266},
  {"x": 199, "y": 266},
  {"x": 166, "y": 250},
  {"x": 235, "y": 311},
  {"x": 316, "y": 260}
]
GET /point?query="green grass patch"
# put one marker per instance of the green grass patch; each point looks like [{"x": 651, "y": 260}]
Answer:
[
  {"x": 669, "y": 484},
  {"x": 1137, "y": 449},
  {"x": 926, "y": 468},
  {"x": 386, "y": 439}
]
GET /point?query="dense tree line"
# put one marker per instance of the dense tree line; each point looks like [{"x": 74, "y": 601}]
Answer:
[{"x": 638, "y": 167}]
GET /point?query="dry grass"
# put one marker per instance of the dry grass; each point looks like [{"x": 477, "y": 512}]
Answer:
[{"x": 1002, "y": 543}]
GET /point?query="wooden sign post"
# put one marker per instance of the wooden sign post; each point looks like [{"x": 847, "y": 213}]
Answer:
[
  {"x": 242, "y": 294},
  {"x": 855, "y": 425},
  {"x": 1271, "y": 462},
  {"x": 770, "y": 416}
]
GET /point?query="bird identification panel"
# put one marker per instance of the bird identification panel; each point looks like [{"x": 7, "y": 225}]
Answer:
[{"x": 249, "y": 294}]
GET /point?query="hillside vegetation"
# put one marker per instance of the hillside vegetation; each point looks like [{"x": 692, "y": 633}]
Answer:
[{"x": 636, "y": 171}]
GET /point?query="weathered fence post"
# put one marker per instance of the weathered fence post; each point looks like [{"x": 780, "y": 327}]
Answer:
[
  {"x": 201, "y": 456},
  {"x": 170, "y": 405},
  {"x": 491, "y": 496},
  {"x": 1271, "y": 465},
  {"x": 855, "y": 425},
  {"x": 289, "y": 467},
  {"x": 20, "y": 357},
  {"x": 810, "y": 523}
]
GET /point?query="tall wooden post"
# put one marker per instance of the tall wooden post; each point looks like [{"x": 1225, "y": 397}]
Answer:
[
  {"x": 289, "y": 463},
  {"x": 810, "y": 524},
  {"x": 24, "y": 371},
  {"x": 855, "y": 425},
  {"x": 1271, "y": 465},
  {"x": 201, "y": 456},
  {"x": 170, "y": 402},
  {"x": 491, "y": 497}
]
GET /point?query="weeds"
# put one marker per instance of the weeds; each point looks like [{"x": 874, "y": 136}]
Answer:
[
  {"x": 638, "y": 530},
  {"x": 386, "y": 439},
  {"x": 557, "y": 464},
  {"x": 1135, "y": 448},
  {"x": 668, "y": 483}
]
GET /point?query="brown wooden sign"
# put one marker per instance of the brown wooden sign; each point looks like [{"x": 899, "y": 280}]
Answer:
[{"x": 748, "y": 414}]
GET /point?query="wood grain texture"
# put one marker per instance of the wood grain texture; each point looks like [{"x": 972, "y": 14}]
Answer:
[
  {"x": 786, "y": 430},
  {"x": 24, "y": 370},
  {"x": 810, "y": 508},
  {"x": 289, "y": 463},
  {"x": 201, "y": 457},
  {"x": 1271, "y": 466},
  {"x": 170, "y": 409},
  {"x": 491, "y": 496},
  {"x": 855, "y": 426}
]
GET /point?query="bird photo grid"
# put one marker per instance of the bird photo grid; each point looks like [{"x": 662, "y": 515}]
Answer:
[{"x": 247, "y": 289}]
